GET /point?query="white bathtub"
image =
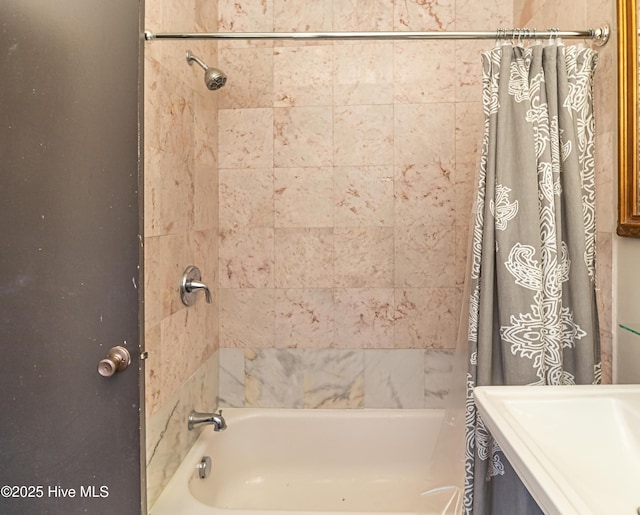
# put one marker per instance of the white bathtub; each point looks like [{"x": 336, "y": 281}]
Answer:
[{"x": 279, "y": 462}]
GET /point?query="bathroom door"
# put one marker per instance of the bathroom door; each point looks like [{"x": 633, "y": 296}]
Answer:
[{"x": 70, "y": 439}]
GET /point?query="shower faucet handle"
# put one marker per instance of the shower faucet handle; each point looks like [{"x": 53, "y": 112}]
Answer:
[{"x": 191, "y": 284}]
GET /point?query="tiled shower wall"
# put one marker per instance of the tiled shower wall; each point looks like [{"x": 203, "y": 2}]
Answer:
[
  {"x": 180, "y": 229},
  {"x": 346, "y": 175},
  {"x": 346, "y": 172}
]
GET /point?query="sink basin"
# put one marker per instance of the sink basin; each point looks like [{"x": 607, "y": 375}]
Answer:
[{"x": 576, "y": 448}]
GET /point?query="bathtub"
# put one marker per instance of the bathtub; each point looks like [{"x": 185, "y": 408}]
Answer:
[{"x": 281, "y": 462}]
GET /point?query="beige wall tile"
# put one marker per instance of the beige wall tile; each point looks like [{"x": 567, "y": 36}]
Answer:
[
  {"x": 169, "y": 193},
  {"x": 303, "y": 197},
  {"x": 302, "y": 136},
  {"x": 205, "y": 124},
  {"x": 363, "y": 73},
  {"x": 165, "y": 259},
  {"x": 246, "y": 198},
  {"x": 304, "y": 258},
  {"x": 364, "y": 318},
  {"x": 302, "y": 76},
  {"x": 363, "y": 135},
  {"x": 245, "y": 138},
  {"x": 250, "y": 77},
  {"x": 469, "y": 134},
  {"x": 246, "y": 257},
  {"x": 472, "y": 14},
  {"x": 423, "y": 72},
  {"x": 206, "y": 15},
  {"x": 296, "y": 16},
  {"x": 363, "y": 196},
  {"x": 304, "y": 318},
  {"x": 245, "y": 15},
  {"x": 153, "y": 14},
  {"x": 168, "y": 109},
  {"x": 467, "y": 55},
  {"x": 205, "y": 196},
  {"x": 426, "y": 318},
  {"x": 247, "y": 318},
  {"x": 424, "y": 195},
  {"x": 417, "y": 15},
  {"x": 179, "y": 356},
  {"x": 462, "y": 250},
  {"x": 425, "y": 256},
  {"x": 365, "y": 15},
  {"x": 363, "y": 257},
  {"x": 154, "y": 392},
  {"x": 424, "y": 134},
  {"x": 176, "y": 15}
]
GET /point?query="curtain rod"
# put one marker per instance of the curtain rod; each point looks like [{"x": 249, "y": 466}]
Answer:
[{"x": 600, "y": 35}]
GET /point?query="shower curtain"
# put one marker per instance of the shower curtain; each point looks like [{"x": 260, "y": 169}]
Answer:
[{"x": 532, "y": 307}]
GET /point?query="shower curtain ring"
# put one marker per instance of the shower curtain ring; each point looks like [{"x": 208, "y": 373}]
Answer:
[{"x": 502, "y": 34}]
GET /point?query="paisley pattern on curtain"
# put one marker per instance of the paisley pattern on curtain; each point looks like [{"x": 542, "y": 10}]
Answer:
[{"x": 533, "y": 317}]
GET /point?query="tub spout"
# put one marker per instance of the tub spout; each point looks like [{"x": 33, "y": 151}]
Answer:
[{"x": 197, "y": 419}]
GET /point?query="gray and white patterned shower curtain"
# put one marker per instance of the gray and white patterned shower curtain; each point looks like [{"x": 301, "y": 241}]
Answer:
[{"x": 533, "y": 318}]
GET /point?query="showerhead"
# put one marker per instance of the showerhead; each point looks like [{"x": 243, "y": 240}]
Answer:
[{"x": 213, "y": 78}]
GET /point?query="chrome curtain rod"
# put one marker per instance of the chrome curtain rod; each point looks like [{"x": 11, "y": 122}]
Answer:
[{"x": 600, "y": 35}]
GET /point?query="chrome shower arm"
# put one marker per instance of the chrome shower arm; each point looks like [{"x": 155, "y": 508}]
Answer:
[{"x": 191, "y": 58}]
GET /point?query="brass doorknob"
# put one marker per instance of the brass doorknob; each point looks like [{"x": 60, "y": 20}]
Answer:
[{"x": 117, "y": 360}]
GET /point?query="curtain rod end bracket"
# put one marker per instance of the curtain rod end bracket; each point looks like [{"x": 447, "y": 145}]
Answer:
[
  {"x": 601, "y": 35},
  {"x": 149, "y": 36}
]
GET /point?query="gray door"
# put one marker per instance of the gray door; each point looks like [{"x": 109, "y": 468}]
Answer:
[{"x": 70, "y": 439}]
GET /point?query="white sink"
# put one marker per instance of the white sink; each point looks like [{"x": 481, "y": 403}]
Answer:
[{"x": 576, "y": 448}]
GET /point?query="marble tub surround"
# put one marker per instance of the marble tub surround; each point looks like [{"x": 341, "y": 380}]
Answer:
[
  {"x": 167, "y": 440},
  {"x": 334, "y": 378},
  {"x": 346, "y": 172},
  {"x": 180, "y": 229},
  {"x": 181, "y": 199},
  {"x": 362, "y": 169}
]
